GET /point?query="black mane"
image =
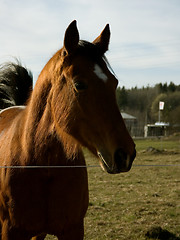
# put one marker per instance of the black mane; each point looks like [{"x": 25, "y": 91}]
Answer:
[{"x": 15, "y": 84}]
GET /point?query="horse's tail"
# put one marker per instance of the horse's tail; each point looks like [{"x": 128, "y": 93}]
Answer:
[{"x": 15, "y": 85}]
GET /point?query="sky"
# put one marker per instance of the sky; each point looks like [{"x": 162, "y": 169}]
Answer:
[{"x": 145, "y": 35}]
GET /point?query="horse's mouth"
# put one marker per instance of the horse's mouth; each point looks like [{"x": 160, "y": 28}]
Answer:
[
  {"x": 119, "y": 163},
  {"x": 104, "y": 165}
]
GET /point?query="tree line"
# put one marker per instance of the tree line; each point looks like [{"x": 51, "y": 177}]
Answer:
[{"x": 143, "y": 103}]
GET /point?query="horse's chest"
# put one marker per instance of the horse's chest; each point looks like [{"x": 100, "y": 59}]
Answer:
[
  {"x": 51, "y": 199},
  {"x": 68, "y": 194}
]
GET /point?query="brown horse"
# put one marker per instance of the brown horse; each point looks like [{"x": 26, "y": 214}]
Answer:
[{"x": 73, "y": 104}]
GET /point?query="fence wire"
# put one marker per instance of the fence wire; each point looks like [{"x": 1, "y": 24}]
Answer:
[{"x": 88, "y": 166}]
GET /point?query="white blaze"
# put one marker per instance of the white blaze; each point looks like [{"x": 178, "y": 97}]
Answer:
[{"x": 99, "y": 73}]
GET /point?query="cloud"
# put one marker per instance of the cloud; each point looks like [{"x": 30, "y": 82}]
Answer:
[
  {"x": 147, "y": 55},
  {"x": 145, "y": 34}
]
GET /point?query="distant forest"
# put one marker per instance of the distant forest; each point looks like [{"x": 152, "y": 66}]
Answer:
[{"x": 143, "y": 103}]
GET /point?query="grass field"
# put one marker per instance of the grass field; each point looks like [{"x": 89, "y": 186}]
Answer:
[{"x": 141, "y": 204}]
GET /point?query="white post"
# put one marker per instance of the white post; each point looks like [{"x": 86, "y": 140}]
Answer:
[{"x": 159, "y": 117}]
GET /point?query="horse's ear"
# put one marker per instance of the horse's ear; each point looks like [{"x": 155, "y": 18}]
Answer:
[
  {"x": 103, "y": 40},
  {"x": 71, "y": 38}
]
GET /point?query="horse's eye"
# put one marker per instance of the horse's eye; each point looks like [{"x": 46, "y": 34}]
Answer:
[{"x": 80, "y": 86}]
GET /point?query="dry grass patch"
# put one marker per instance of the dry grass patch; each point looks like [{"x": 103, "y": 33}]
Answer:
[{"x": 138, "y": 204}]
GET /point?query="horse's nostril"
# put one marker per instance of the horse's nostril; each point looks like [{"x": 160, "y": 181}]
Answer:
[
  {"x": 119, "y": 157},
  {"x": 123, "y": 161}
]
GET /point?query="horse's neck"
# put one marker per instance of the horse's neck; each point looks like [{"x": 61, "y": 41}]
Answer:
[{"x": 40, "y": 136}]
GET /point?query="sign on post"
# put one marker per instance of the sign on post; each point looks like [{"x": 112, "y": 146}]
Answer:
[{"x": 161, "y": 105}]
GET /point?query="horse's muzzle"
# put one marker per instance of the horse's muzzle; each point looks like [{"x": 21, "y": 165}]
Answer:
[{"x": 121, "y": 161}]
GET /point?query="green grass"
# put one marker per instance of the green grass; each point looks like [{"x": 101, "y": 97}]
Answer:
[
  {"x": 127, "y": 206},
  {"x": 161, "y": 144}
]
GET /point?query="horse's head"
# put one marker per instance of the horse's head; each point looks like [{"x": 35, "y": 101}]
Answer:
[{"x": 84, "y": 100}]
